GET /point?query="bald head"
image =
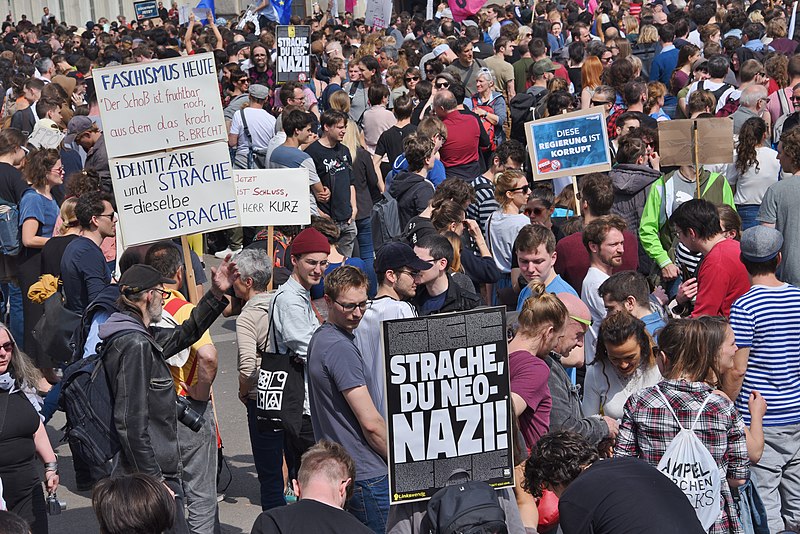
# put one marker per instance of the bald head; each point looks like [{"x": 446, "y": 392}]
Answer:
[
  {"x": 575, "y": 306},
  {"x": 753, "y": 97}
]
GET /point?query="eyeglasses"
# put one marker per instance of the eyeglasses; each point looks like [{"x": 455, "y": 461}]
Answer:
[
  {"x": 111, "y": 216},
  {"x": 313, "y": 263},
  {"x": 442, "y": 85},
  {"x": 412, "y": 274},
  {"x": 8, "y": 346},
  {"x": 57, "y": 170},
  {"x": 412, "y": 78},
  {"x": 164, "y": 293},
  {"x": 525, "y": 189},
  {"x": 351, "y": 306},
  {"x": 599, "y": 102}
]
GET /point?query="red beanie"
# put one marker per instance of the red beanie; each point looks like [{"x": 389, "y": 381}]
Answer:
[{"x": 310, "y": 241}]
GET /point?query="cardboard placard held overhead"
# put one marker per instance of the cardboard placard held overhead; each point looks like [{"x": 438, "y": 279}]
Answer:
[
  {"x": 676, "y": 141},
  {"x": 294, "y": 53},
  {"x": 160, "y": 105},
  {"x": 448, "y": 401},
  {"x": 272, "y": 197},
  {"x": 568, "y": 145},
  {"x": 171, "y": 194}
]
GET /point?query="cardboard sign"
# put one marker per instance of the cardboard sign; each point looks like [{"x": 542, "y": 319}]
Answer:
[
  {"x": 148, "y": 9},
  {"x": 676, "y": 141},
  {"x": 272, "y": 197},
  {"x": 294, "y": 53},
  {"x": 170, "y": 194},
  {"x": 448, "y": 400},
  {"x": 379, "y": 14},
  {"x": 568, "y": 145},
  {"x": 160, "y": 105}
]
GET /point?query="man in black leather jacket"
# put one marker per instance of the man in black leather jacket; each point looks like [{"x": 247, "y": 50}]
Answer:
[{"x": 145, "y": 409}]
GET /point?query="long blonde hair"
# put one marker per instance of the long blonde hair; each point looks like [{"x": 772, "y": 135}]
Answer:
[
  {"x": 353, "y": 135},
  {"x": 455, "y": 266}
]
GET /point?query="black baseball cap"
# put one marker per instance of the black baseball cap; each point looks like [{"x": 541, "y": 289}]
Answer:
[
  {"x": 141, "y": 277},
  {"x": 394, "y": 255}
]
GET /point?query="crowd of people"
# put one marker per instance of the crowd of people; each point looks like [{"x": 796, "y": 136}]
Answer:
[{"x": 643, "y": 301}]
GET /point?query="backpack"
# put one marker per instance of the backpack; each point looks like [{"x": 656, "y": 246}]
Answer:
[
  {"x": 522, "y": 108},
  {"x": 718, "y": 92},
  {"x": 9, "y": 228},
  {"x": 779, "y": 126},
  {"x": 385, "y": 221},
  {"x": 87, "y": 401},
  {"x": 689, "y": 464},
  {"x": 729, "y": 108},
  {"x": 468, "y": 508},
  {"x": 487, "y": 125}
]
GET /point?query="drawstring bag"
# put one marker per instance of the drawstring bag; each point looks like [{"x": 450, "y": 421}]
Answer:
[{"x": 689, "y": 464}]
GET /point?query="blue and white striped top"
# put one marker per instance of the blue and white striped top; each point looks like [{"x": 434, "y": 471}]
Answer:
[{"x": 767, "y": 319}]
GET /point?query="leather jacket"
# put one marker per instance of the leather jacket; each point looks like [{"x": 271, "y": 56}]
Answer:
[{"x": 145, "y": 409}]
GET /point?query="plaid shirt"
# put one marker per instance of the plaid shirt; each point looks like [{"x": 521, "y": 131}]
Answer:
[{"x": 648, "y": 427}]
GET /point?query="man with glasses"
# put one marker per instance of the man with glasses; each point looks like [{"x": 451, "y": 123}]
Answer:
[
  {"x": 341, "y": 391},
  {"x": 140, "y": 382},
  {"x": 399, "y": 271},
  {"x": 84, "y": 270},
  {"x": 294, "y": 320},
  {"x": 752, "y": 103},
  {"x": 440, "y": 294},
  {"x": 258, "y": 72}
]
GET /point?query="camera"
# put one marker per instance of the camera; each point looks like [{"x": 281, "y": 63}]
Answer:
[
  {"x": 53, "y": 505},
  {"x": 189, "y": 416}
]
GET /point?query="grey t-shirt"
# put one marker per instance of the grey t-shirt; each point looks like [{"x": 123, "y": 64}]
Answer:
[
  {"x": 779, "y": 207},
  {"x": 335, "y": 365}
]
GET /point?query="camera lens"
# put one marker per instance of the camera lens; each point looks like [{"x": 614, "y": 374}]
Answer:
[{"x": 189, "y": 416}]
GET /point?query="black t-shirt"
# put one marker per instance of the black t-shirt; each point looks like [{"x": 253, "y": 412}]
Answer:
[
  {"x": 334, "y": 168},
  {"x": 53, "y": 251},
  {"x": 17, "y": 449},
  {"x": 12, "y": 185},
  {"x": 307, "y": 515},
  {"x": 390, "y": 143},
  {"x": 366, "y": 181},
  {"x": 625, "y": 496}
]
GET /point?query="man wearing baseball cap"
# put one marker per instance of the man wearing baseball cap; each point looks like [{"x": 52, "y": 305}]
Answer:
[
  {"x": 398, "y": 270},
  {"x": 295, "y": 319},
  {"x": 82, "y": 131},
  {"x": 145, "y": 402},
  {"x": 767, "y": 368}
]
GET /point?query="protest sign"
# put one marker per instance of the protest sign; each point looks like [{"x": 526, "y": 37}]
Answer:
[
  {"x": 569, "y": 144},
  {"x": 448, "y": 400},
  {"x": 463, "y": 9},
  {"x": 294, "y": 53},
  {"x": 378, "y": 14},
  {"x": 160, "y": 105},
  {"x": 148, "y": 9},
  {"x": 170, "y": 194},
  {"x": 711, "y": 137},
  {"x": 269, "y": 197}
]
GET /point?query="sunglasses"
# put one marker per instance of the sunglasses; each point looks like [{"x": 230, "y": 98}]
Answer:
[
  {"x": 535, "y": 211},
  {"x": 599, "y": 102},
  {"x": 442, "y": 85},
  {"x": 525, "y": 189},
  {"x": 8, "y": 346},
  {"x": 412, "y": 78}
]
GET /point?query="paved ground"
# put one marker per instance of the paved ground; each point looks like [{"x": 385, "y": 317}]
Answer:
[{"x": 239, "y": 509}]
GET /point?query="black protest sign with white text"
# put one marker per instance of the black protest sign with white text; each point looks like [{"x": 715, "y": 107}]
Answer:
[{"x": 294, "y": 54}]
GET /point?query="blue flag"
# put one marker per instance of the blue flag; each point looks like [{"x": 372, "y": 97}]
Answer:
[
  {"x": 284, "y": 10},
  {"x": 205, "y": 5}
]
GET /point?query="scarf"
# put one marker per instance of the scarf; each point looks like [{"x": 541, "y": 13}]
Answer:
[{"x": 9, "y": 383}]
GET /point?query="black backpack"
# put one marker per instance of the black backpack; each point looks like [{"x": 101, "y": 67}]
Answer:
[
  {"x": 385, "y": 221},
  {"x": 86, "y": 399},
  {"x": 466, "y": 508},
  {"x": 522, "y": 108}
]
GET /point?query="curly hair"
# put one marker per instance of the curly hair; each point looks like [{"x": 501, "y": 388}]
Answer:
[
  {"x": 40, "y": 163},
  {"x": 556, "y": 460},
  {"x": 616, "y": 329},
  {"x": 751, "y": 136},
  {"x": 790, "y": 145}
]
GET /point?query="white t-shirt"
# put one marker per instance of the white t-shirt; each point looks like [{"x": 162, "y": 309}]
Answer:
[
  {"x": 590, "y": 296},
  {"x": 368, "y": 341},
  {"x": 262, "y": 128},
  {"x": 753, "y": 184},
  {"x": 604, "y": 390}
]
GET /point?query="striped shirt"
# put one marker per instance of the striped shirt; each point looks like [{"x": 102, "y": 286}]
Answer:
[
  {"x": 766, "y": 320},
  {"x": 484, "y": 204}
]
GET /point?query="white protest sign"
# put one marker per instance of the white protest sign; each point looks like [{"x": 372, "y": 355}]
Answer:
[
  {"x": 160, "y": 105},
  {"x": 170, "y": 194},
  {"x": 271, "y": 197},
  {"x": 379, "y": 14}
]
